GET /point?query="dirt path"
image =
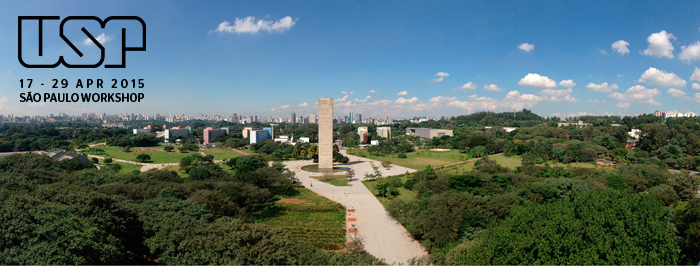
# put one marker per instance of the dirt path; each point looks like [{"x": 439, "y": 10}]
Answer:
[{"x": 244, "y": 154}]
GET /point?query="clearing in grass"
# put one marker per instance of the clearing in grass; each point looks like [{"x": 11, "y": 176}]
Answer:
[
  {"x": 158, "y": 155},
  {"x": 418, "y": 159},
  {"x": 311, "y": 218}
]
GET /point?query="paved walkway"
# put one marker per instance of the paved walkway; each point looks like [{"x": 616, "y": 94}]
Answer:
[{"x": 382, "y": 236}]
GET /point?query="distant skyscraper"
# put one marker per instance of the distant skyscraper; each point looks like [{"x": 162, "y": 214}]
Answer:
[
  {"x": 349, "y": 120},
  {"x": 294, "y": 118},
  {"x": 312, "y": 118},
  {"x": 359, "y": 118}
]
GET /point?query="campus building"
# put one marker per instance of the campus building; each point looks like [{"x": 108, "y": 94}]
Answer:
[
  {"x": 259, "y": 136},
  {"x": 210, "y": 133},
  {"x": 384, "y": 132},
  {"x": 362, "y": 131},
  {"x": 177, "y": 132},
  {"x": 426, "y": 133},
  {"x": 142, "y": 131}
]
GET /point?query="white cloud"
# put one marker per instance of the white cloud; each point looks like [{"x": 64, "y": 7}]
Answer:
[
  {"x": 492, "y": 87},
  {"x": 442, "y": 99},
  {"x": 623, "y": 105},
  {"x": 305, "y": 104},
  {"x": 102, "y": 39},
  {"x": 697, "y": 97},
  {"x": 526, "y": 47},
  {"x": 343, "y": 99},
  {"x": 437, "y": 80},
  {"x": 538, "y": 81},
  {"x": 603, "y": 87},
  {"x": 3, "y": 99},
  {"x": 660, "y": 45},
  {"x": 696, "y": 86},
  {"x": 619, "y": 75},
  {"x": 442, "y": 74},
  {"x": 383, "y": 102},
  {"x": 595, "y": 101},
  {"x": 689, "y": 53},
  {"x": 402, "y": 93},
  {"x": 675, "y": 92},
  {"x": 513, "y": 100},
  {"x": 567, "y": 98},
  {"x": 655, "y": 76},
  {"x": 638, "y": 94},
  {"x": 621, "y": 47},
  {"x": 35, "y": 104},
  {"x": 567, "y": 83},
  {"x": 403, "y": 101},
  {"x": 372, "y": 92},
  {"x": 696, "y": 75},
  {"x": 343, "y": 92},
  {"x": 249, "y": 25},
  {"x": 284, "y": 107},
  {"x": 556, "y": 92},
  {"x": 468, "y": 86}
]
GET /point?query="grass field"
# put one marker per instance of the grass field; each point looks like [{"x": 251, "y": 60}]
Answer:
[
  {"x": 157, "y": 155},
  {"x": 221, "y": 154},
  {"x": 418, "y": 159},
  {"x": 515, "y": 161},
  {"x": 337, "y": 180},
  {"x": 312, "y": 219},
  {"x": 176, "y": 168},
  {"x": 404, "y": 194}
]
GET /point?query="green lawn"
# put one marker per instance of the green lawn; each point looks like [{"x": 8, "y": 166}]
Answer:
[
  {"x": 418, "y": 159},
  {"x": 157, "y": 155},
  {"x": 337, "y": 180},
  {"x": 176, "y": 168},
  {"x": 404, "y": 194},
  {"x": 223, "y": 153},
  {"x": 312, "y": 219},
  {"x": 127, "y": 168},
  {"x": 515, "y": 161}
]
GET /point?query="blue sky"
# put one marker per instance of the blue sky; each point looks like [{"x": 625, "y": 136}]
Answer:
[{"x": 411, "y": 58}]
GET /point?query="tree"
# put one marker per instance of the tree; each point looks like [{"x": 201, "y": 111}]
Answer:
[
  {"x": 168, "y": 148},
  {"x": 127, "y": 149},
  {"x": 587, "y": 228},
  {"x": 182, "y": 149},
  {"x": 143, "y": 157},
  {"x": 107, "y": 160},
  {"x": 95, "y": 160}
]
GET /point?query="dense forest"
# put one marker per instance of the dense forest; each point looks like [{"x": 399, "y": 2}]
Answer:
[
  {"x": 543, "y": 215},
  {"x": 545, "y": 211},
  {"x": 53, "y": 215}
]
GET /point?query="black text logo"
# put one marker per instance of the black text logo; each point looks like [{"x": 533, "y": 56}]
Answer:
[{"x": 102, "y": 49}]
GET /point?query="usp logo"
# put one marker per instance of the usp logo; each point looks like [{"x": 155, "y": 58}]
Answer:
[{"x": 61, "y": 60}]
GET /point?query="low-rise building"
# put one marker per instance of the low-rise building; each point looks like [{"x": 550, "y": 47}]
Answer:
[
  {"x": 384, "y": 132},
  {"x": 142, "y": 131},
  {"x": 259, "y": 136},
  {"x": 60, "y": 154},
  {"x": 362, "y": 131},
  {"x": 210, "y": 134},
  {"x": 426, "y": 133},
  {"x": 177, "y": 132}
]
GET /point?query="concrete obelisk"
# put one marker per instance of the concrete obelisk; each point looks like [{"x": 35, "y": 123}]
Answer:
[{"x": 325, "y": 134}]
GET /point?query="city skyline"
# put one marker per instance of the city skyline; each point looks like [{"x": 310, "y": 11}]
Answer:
[{"x": 378, "y": 59}]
